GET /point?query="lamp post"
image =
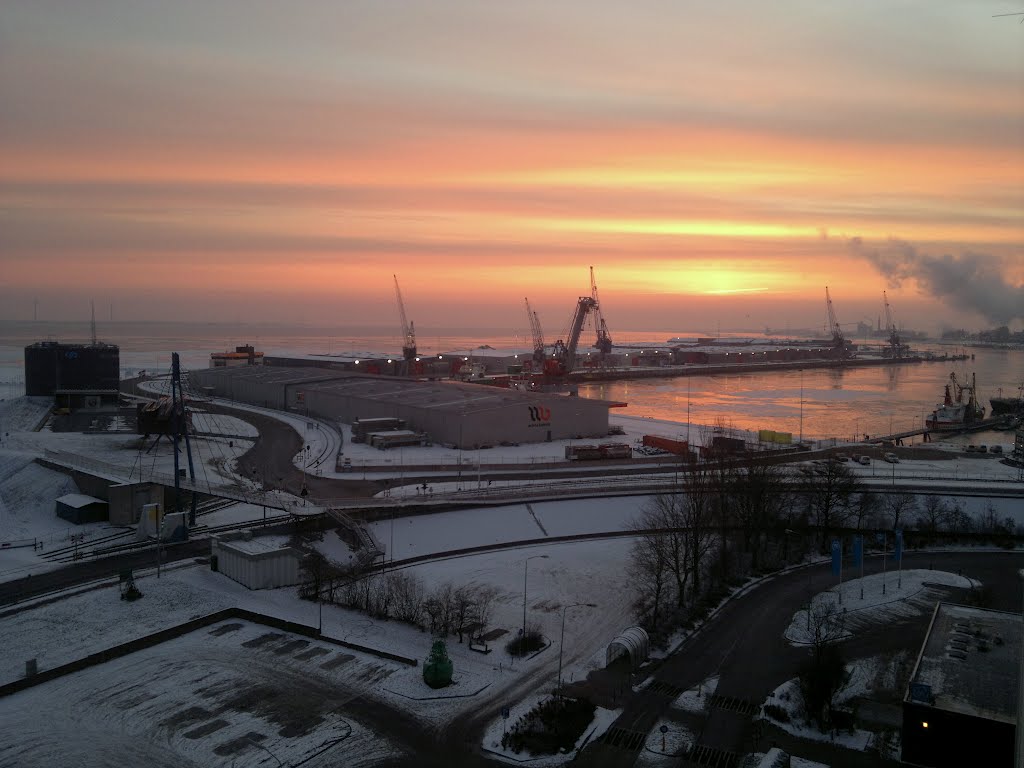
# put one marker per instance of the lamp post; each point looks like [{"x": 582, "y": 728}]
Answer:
[
  {"x": 526, "y": 563},
  {"x": 305, "y": 460},
  {"x": 561, "y": 640}
]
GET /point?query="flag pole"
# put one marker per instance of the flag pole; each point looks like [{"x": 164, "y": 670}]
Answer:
[{"x": 883, "y": 561}]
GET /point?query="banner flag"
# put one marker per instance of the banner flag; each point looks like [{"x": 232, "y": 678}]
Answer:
[
  {"x": 897, "y": 552},
  {"x": 858, "y": 551},
  {"x": 837, "y": 557}
]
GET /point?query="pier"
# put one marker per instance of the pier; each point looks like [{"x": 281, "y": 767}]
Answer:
[
  {"x": 711, "y": 369},
  {"x": 927, "y": 434}
]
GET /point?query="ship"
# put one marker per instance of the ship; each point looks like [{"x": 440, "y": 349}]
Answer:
[
  {"x": 244, "y": 355},
  {"x": 959, "y": 409},
  {"x": 1008, "y": 405}
]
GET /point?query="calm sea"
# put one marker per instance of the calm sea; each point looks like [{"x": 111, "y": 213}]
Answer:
[{"x": 816, "y": 403}]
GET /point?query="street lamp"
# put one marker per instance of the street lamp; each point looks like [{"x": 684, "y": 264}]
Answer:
[
  {"x": 561, "y": 640},
  {"x": 526, "y": 563}
]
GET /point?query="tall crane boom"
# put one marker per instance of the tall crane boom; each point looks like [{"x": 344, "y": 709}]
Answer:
[
  {"x": 604, "y": 339},
  {"x": 537, "y": 334},
  {"x": 896, "y": 346},
  {"x": 408, "y": 332},
  {"x": 565, "y": 352},
  {"x": 838, "y": 340}
]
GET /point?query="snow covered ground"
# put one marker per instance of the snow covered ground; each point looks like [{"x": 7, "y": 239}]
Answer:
[
  {"x": 555, "y": 576},
  {"x": 875, "y": 599}
]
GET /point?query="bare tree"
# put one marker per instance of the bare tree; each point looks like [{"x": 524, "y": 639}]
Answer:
[
  {"x": 829, "y": 486},
  {"x": 649, "y": 567},
  {"x": 988, "y": 520},
  {"x": 824, "y": 673},
  {"x": 864, "y": 508},
  {"x": 959, "y": 520},
  {"x": 899, "y": 507},
  {"x": 483, "y": 608},
  {"x": 758, "y": 494},
  {"x": 699, "y": 489},
  {"x": 663, "y": 517},
  {"x": 438, "y": 609},
  {"x": 408, "y": 597},
  {"x": 933, "y": 514}
]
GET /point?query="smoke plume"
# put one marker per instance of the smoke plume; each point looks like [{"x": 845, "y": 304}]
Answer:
[{"x": 970, "y": 281}]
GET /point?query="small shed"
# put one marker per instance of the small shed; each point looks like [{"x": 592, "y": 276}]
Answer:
[
  {"x": 632, "y": 642},
  {"x": 256, "y": 563},
  {"x": 78, "y": 508}
]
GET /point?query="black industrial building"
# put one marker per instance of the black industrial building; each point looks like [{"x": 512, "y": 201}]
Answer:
[
  {"x": 75, "y": 375},
  {"x": 961, "y": 703}
]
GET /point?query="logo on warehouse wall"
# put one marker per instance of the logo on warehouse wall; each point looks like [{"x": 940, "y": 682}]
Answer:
[{"x": 539, "y": 415}]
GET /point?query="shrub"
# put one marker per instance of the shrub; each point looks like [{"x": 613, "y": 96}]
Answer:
[
  {"x": 522, "y": 645},
  {"x": 553, "y": 726},
  {"x": 775, "y": 712}
]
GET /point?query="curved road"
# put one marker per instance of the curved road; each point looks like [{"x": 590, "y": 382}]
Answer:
[{"x": 744, "y": 645}]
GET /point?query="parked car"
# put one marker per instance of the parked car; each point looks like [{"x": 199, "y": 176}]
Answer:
[
  {"x": 841, "y": 457},
  {"x": 996, "y": 449},
  {"x": 972, "y": 448},
  {"x": 865, "y": 460},
  {"x": 982, "y": 449},
  {"x": 892, "y": 458}
]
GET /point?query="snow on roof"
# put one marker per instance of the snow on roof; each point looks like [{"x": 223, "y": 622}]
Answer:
[
  {"x": 78, "y": 500},
  {"x": 970, "y": 661}
]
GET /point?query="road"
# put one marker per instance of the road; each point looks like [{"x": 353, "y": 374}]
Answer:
[{"x": 744, "y": 645}]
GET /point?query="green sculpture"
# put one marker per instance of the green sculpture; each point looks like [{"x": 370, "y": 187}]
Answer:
[{"x": 437, "y": 672}]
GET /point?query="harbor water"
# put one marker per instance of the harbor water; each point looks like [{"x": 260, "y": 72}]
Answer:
[{"x": 815, "y": 403}]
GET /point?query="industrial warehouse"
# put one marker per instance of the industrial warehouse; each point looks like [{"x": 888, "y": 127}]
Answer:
[{"x": 463, "y": 415}]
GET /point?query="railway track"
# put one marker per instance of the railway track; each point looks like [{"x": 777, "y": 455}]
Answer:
[{"x": 78, "y": 552}]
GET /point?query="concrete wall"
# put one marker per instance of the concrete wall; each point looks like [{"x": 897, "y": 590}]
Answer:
[{"x": 127, "y": 500}]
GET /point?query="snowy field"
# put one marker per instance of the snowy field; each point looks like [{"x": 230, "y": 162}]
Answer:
[{"x": 148, "y": 696}]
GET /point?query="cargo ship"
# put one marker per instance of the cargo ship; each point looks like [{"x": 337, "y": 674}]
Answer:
[{"x": 959, "y": 409}]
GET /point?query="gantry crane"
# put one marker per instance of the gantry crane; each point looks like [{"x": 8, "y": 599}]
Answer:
[
  {"x": 408, "y": 332},
  {"x": 538, "y": 337},
  {"x": 604, "y": 340}
]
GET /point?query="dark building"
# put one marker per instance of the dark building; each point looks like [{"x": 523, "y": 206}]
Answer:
[
  {"x": 961, "y": 704},
  {"x": 78, "y": 508},
  {"x": 75, "y": 375}
]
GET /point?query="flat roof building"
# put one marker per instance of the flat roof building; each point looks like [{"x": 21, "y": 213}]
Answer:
[
  {"x": 76, "y": 375},
  {"x": 960, "y": 707},
  {"x": 450, "y": 413}
]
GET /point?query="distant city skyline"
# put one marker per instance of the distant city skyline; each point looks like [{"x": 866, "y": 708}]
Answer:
[{"x": 718, "y": 166}]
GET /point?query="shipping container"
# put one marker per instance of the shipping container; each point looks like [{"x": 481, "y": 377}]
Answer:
[{"x": 678, "y": 447}]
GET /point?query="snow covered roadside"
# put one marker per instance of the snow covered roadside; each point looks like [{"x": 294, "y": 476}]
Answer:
[
  {"x": 865, "y": 675},
  {"x": 874, "y": 599},
  {"x": 491, "y": 741}
]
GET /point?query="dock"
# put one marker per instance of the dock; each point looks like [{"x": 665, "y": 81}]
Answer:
[
  {"x": 582, "y": 375},
  {"x": 928, "y": 435}
]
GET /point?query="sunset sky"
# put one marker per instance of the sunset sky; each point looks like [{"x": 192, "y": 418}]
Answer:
[{"x": 718, "y": 164}]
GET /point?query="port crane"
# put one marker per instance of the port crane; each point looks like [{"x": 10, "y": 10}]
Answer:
[
  {"x": 897, "y": 348},
  {"x": 604, "y": 339},
  {"x": 564, "y": 354},
  {"x": 839, "y": 343},
  {"x": 408, "y": 331},
  {"x": 538, "y": 337}
]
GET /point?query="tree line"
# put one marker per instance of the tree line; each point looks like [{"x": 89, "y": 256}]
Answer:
[{"x": 725, "y": 520}]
